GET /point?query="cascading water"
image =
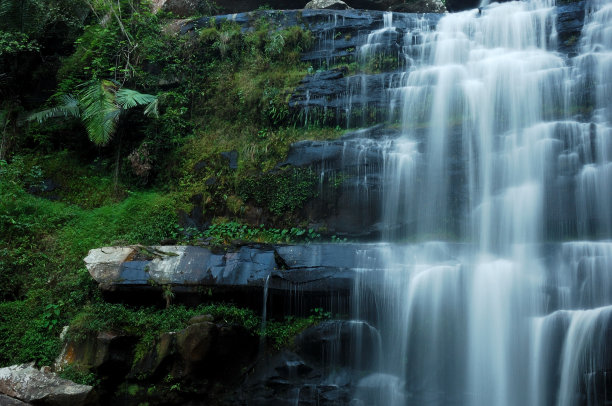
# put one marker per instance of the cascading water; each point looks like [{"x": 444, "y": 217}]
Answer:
[{"x": 504, "y": 150}]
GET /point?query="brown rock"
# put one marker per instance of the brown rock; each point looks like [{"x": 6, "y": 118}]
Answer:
[
  {"x": 201, "y": 319},
  {"x": 195, "y": 341}
]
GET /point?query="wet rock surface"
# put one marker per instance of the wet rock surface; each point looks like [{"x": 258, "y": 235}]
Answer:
[
  {"x": 249, "y": 266},
  {"x": 299, "y": 277}
]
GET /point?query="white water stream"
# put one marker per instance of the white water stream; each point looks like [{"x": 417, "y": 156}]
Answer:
[{"x": 489, "y": 308}]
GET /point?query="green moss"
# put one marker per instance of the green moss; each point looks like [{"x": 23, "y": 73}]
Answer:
[{"x": 280, "y": 191}]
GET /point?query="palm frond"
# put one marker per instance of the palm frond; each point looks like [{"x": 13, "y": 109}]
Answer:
[
  {"x": 69, "y": 108},
  {"x": 128, "y": 98},
  {"x": 152, "y": 108},
  {"x": 99, "y": 110}
]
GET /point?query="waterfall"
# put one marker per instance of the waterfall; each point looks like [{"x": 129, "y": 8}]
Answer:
[{"x": 500, "y": 171}]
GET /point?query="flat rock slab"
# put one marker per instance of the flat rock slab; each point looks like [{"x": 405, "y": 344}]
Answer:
[
  {"x": 27, "y": 384},
  {"x": 313, "y": 267}
]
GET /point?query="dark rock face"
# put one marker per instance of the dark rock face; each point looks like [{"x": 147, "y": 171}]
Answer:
[
  {"x": 347, "y": 343},
  {"x": 419, "y": 6},
  {"x": 570, "y": 18},
  {"x": 105, "y": 353},
  {"x": 460, "y": 5},
  {"x": 351, "y": 190},
  {"x": 285, "y": 379},
  {"x": 303, "y": 376}
]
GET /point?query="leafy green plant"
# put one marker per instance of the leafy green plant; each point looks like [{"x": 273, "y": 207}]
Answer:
[
  {"x": 99, "y": 105},
  {"x": 226, "y": 232},
  {"x": 78, "y": 376},
  {"x": 51, "y": 315}
]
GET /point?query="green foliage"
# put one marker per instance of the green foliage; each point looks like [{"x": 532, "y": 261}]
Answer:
[
  {"x": 23, "y": 336},
  {"x": 220, "y": 90},
  {"x": 280, "y": 191},
  {"x": 99, "y": 106},
  {"x": 148, "y": 323},
  {"x": 281, "y": 333},
  {"x": 226, "y": 232},
  {"x": 42, "y": 279},
  {"x": 76, "y": 375},
  {"x": 15, "y": 42},
  {"x": 146, "y": 218},
  {"x": 135, "y": 321}
]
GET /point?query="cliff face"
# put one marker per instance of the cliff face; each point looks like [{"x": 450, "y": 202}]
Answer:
[{"x": 357, "y": 63}]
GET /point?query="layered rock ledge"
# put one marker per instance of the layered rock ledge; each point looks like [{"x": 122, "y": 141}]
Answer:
[{"x": 296, "y": 277}]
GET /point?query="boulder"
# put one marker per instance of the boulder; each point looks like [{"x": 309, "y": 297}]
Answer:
[
  {"x": 201, "y": 350},
  {"x": 28, "y": 384},
  {"x": 189, "y": 266},
  {"x": 9, "y": 401},
  {"x": 194, "y": 344},
  {"x": 201, "y": 319},
  {"x": 284, "y": 378},
  {"x": 107, "y": 262},
  {"x": 419, "y": 6},
  {"x": 183, "y": 8},
  {"x": 105, "y": 352},
  {"x": 159, "y": 357},
  {"x": 327, "y": 5}
]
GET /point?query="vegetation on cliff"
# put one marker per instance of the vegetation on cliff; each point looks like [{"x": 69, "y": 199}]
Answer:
[{"x": 71, "y": 181}]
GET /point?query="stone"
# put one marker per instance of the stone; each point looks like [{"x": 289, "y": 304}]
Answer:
[
  {"x": 200, "y": 166},
  {"x": 28, "y": 384},
  {"x": 103, "y": 353},
  {"x": 327, "y": 5},
  {"x": 201, "y": 319},
  {"x": 194, "y": 344},
  {"x": 104, "y": 264},
  {"x": 460, "y": 5},
  {"x": 9, "y": 401},
  {"x": 419, "y": 6},
  {"x": 182, "y": 8},
  {"x": 232, "y": 158},
  {"x": 157, "y": 358}
]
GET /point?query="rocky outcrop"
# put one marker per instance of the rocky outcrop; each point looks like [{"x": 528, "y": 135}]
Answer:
[
  {"x": 193, "y": 273},
  {"x": 326, "y": 5},
  {"x": 421, "y": 6},
  {"x": 570, "y": 19},
  {"x": 184, "y": 8},
  {"x": 199, "y": 358},
  {"x": 303, "y": 375},
  {"x": 9, "y": 401},
  {"x": 27, "y": 384},
  {"x": 191, "y": 266},
  {"x": 105, "y": 353}
]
